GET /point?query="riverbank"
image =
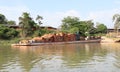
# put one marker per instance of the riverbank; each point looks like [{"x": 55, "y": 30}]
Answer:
[
  {"x": 9, "y": 41},
  {"x": 109, "y": 40},
  {"x": 16, "y": 40}
]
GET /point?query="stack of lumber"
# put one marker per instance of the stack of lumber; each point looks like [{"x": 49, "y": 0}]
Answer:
[
  {"x": 24, "y": 41},
  {"x": 38, "y": 39},
  {"x": 58, "y": 37}
]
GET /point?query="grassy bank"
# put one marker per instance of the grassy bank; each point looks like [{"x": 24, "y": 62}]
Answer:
[
  {"x": 10, "y": 41},
  {"x": 13, "y": 40}
]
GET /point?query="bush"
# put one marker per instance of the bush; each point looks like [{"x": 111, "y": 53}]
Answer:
[
  {"x": 7, "y": 33},
  {"x": 42, "y": 32}
]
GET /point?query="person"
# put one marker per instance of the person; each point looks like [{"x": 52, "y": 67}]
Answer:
[
  {"x": 87, "y": 35},
  {"x": 30, "y": 41},
  {"x": 77, "y": 36}
]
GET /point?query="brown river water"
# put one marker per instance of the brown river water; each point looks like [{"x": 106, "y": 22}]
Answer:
[{"x": 92, "y": 57}]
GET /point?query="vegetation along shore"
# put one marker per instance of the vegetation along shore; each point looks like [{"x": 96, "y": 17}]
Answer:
[{"x": 10, "y": 32}]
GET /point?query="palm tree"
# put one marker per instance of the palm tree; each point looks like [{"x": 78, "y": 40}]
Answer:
[
  {"x": 39, "y": 18},
  {"x": 116, "y": 20}
]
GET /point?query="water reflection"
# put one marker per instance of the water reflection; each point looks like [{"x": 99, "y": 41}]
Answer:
[
  {"x": 61, "y": 58},
  {"x": 80, "y": 55},
  {"x": 114, "y": 51}
]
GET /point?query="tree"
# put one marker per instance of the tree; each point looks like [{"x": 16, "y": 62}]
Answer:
[
  {"x": 7, "y": 33},
  {"x": 116, "y": 19},
  {"x": 74, "y": 25},
  {"x": 11, "y": 22},
  {"x": 101, "y": 28},
  {"x": 69, "y": 22},
  {"x": 74, "y": 30},
  {"x": 27, "y": 24},
  {"x": 39, "y": 18},
  {"x": 86, "y": 27},
  {"x": 3, "y": 19}
]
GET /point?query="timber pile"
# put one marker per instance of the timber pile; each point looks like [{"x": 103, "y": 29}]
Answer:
[
  {"x": 38, "y": 39},
  {"x": 61, "y": 37},
  {"x": 58, "y": 37},
  {"x": 94, "y": 37},
  {"x": 24, "y": 41}
]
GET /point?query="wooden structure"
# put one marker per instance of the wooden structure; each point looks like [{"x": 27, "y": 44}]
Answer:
[{"x": 111, "y": 30}]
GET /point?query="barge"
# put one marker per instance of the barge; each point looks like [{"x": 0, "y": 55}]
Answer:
[{"x": 52, "y": 43}]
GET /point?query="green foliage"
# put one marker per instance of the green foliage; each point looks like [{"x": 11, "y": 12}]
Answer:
[
  {"x": 37, "y": 33},
  {"x": 11, "y": 22},
  {"x": 7, "y": 33},
  {"x": 101, "y": 28},
  {"x": 84, "y": 28},
  {"x": 27, "y": 24},
  {"x": 73, "y": 25},
  {"x": 39, "y": 18},
  {"x": 68, "y": 23},
  {"x": 74, "y": 30},
  {"x": 42, "y": 32},
  {"x": 3, "y": 19}
]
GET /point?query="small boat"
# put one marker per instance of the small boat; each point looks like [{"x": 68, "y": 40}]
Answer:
[{"x": 52, "y": 43}]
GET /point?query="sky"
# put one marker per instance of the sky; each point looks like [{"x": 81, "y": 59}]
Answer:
[{"x": 53, "y": 11}]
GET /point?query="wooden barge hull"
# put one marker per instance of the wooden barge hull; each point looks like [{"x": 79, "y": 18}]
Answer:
[{"x": 53, "y": 43}]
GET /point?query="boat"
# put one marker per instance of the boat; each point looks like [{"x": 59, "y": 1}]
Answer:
[{"x": 52, "y": 43}]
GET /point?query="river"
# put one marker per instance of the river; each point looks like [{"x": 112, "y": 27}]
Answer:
[{"x": 93, "y": 57}]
